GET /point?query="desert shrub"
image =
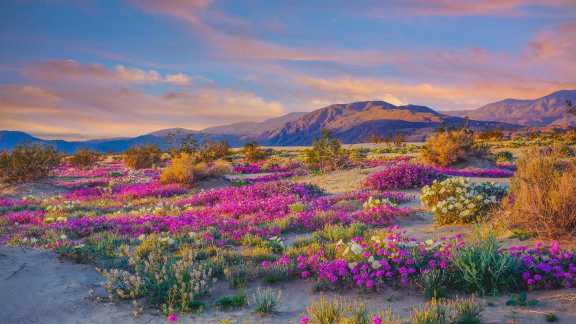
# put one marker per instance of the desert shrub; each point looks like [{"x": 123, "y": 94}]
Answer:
[
  {"x": 542, "y": 195},
  {"x": 253, "y": 152},
  {"x": 142, "y": 157},
  {"x": 326, "y": 154},
  {"x": 402, "y": 176},
  {"x": 358, "y": 154},
  {"x": 266, "y": 300},
  {"x": 481, "y": 268},
  {"x": 430, "y": 313},
  {"x": 211, "y": 151},
  {"x": 434, "y": 283},
  {"x": 84, "y": 159},
  {"x": 326, "y": 311},
  {"x": 185, "y": 170},
  {"x": 504, "y": 156},
  {"x": 27, "y": 163},
  {"x": 450, "y": 147},
  {"x": 459, "y": 201}
]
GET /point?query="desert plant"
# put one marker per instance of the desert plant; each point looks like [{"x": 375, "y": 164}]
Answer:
[
  {"x": 459, "y": 201},
  {"x": 185, "y": 170},
  {"x": 266, "y": 300},
  {"x": 430, "y": 313},
  {"x": 84, "y": 159},
  {"x": 542, "y": 195},
  {"x": 450, "y": 147},
  {"x": 253, "y": 152},
  {"x": 481, "y": 268},
  {"x": 402, "y": 176},
  {"x": 142, "y": 157},
  {"x": 326, "y": 153},
  {"x": 232, "y": 301},
  {"x": 27, "y": 163}
]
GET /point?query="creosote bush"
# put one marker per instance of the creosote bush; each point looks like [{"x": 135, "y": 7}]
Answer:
[
  {"x": 326, "y": 154},
  {"x": 253, "y": 152},
  {"x": 451, "y": 147},
  {"x": 27, "y": 163},
  {"x": 542, "y": 195},
  {"x": 84, "y": 159},
  {"x": 142, "y": 157}
]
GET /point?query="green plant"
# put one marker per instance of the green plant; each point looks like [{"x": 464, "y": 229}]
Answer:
[
  {"x": 551, "y": 317},
  {"x": 84, "y": 159},
  {"x": 232, "y": 301},
  {"x": 237, "y": 275},
  {"x": 465, "y": 310},
  {"x": 266, "y": 300},
  {"x": 434, "y": 283},
  {"x": 27, "y": 163},
  {"x": 326, "y": 311},
  {"x": 459, "y": 201},
  {"x": 142, "y": 157},
  {"x": 521, "y": 299},
  {"x": 481, "y": 268},
  {"x": 326, "y": 153}
]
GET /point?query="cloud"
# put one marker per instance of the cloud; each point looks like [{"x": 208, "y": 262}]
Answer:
[
  {"x": 71, "y": 70},
  {"x": 475, "y": 8}
]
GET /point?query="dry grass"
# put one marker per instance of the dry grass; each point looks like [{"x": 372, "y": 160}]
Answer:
[
  {"x": 543, "y": 195},
  {"x": 184, "y": 169}
]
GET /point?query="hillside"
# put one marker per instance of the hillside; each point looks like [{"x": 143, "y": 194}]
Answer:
[
  {"x": 254, "y": 128},
  {"x": 355, "y": 122},
  {"x": 550, "y": 110}
]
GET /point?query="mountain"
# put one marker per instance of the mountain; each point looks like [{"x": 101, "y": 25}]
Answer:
[
  {"x": 356, "y": 122},
  {"x": 548, "y": 111},
  {"x": 11, "y": 139},
  {"x": 252, "y": 129}
]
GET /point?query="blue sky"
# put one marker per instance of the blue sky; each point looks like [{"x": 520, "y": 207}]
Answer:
[{"x": 85, "y": 69}]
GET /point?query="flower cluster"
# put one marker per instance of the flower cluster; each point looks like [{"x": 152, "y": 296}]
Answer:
[
  {"x": 402, "y": 176},
  {"x": 458, "y": 201}
]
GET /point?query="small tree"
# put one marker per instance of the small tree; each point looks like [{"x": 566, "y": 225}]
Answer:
[
  {"x": 142, "y": 157},
  {"x": 326, "y": 153},
  {"x": 84, "y": 159},
  {"x": 27, "y": 163},
  {"x": 253, "y": 152}
]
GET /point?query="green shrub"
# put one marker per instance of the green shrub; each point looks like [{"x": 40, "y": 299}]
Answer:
[
  {"x": 142, "y": 157},
  {"x": 266, "y": 300},
  {"x": 504, "y": 156},
  {"x": 27, "y": 163},
  {"x": 434, "y": 283},
  {"x": 450, "y": 147},
  {"x": 84, "y": 159},
  {"x": 430, "y": 313},
  {"x": 482, "y": 269},
  {"x": 232, "y": 301},
  {"x": 459, "y": 201},
  {"x": 326, "y": 154}
]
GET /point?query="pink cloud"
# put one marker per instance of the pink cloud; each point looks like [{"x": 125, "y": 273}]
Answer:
[
  {"x": 475, "y": 8},
  {"x": 72, "y": 70}
]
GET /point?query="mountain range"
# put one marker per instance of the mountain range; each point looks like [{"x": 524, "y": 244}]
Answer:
[
  {"x": 547, "y": 111},
  {"x": 350, "y": 123}
]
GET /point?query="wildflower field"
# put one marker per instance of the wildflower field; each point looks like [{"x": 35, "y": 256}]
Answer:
[{"x": 267, "y": 240}]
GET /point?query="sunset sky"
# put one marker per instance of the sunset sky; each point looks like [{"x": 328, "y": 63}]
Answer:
[{"x": 83, "y": 69}]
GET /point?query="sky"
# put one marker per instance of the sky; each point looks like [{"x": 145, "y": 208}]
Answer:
[{"x": 82, "y": 69}]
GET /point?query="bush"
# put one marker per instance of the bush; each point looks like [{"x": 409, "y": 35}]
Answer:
[
  {"x": 326, "y": 154},
  {"x": 542, "y": 195},
  {"x": 504, "y": 156},
  {"x": 84, "y": 159},
  {"x": 458, "y": 201},
  {"x": 27, "y": 163},
  {"x": 184, "y": 170},
  {"x": 211, "y": 151},
  {"x": 450, "y": 147},
  {"x": 233, "y": 301},
  {"x": 142, "y": 157},
  {"x": 253, "y": 152},
  {"x": 402, "y": 176},
  {"x": 482, "y": 268}
]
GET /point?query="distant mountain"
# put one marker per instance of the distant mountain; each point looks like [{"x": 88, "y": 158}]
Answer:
[
  {"x": 252, "y": 129},
  {"x": 11, "y": 139},
  {"x": 356, "y": 122},
  {"x": 548, "y": 111}
]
